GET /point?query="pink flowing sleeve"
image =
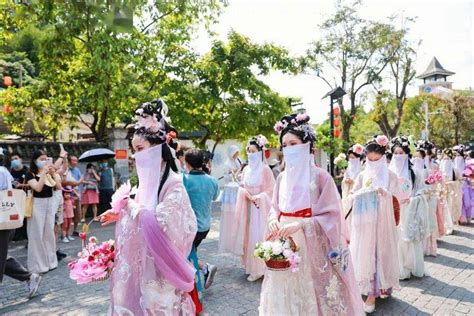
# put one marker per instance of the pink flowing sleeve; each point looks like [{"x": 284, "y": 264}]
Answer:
[
  {"x": 176, "y": 216},
  {"x": 268, "y": 184},
  {"x": 275, "y": 210},
  {"x": 327, "y": 207}
]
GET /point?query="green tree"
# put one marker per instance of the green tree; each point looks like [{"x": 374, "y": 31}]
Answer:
[
  {"x": 99, "y": 59},
  {"x": 227, "y": 97},
  {"x": 352, "y": 53}
]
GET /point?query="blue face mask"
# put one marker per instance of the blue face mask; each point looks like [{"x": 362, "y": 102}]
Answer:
[
  {"x": 40, "y": 164},
  {"x": 16, "y": 164}
]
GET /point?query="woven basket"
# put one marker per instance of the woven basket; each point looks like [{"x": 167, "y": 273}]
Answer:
[
  {"x": 281, "y": 264},
  {"x": 102, "y": 279}
]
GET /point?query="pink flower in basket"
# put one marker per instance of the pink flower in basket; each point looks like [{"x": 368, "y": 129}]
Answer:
[{"x": 95, "y": 262}]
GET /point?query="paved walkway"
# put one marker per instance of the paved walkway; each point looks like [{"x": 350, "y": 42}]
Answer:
[{"x": 448, "y": 291}]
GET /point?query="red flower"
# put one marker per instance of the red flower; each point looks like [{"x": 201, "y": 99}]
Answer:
[{"x": 83, "y": 236}]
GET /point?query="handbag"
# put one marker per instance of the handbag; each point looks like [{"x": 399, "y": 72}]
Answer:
[{"x": 12, "y": 208}]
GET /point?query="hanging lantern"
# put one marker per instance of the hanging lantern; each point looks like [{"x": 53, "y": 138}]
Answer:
[
  {"x": 267, "y": 153},
  {"x": 7, "y": 81},
  {"x": 337, "y": 133},
  {"x": 337, "y": 122},
  {"x": 336, "y": 111}
]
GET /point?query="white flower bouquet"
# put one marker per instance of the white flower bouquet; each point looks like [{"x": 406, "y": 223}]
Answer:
[{"x": 280, "y": 254}]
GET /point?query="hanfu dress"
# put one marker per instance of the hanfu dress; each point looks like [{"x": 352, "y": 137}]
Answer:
[
  {"x": 452, "y": 193},
  {"x": 228, "y": 201},
  {"x": 353, "y": 170},
  {"x": 374, "y": 236},
  {"x": 467, "y": 201},
  {"x": 251, "y": 218},
  {"x": 307, "y": 194},
  {"x": 154, "y": 235}
]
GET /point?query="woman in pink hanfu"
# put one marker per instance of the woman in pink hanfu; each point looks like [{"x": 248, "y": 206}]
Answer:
[
  {"x": 253, "y": 206},
  {"x": 155, "y": 229},
  {"x": 307, "y": 207},
  {"x": 374, "y": 239}
]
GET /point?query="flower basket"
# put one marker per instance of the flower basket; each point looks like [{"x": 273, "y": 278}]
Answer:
[{"x": 279, "y": 255}]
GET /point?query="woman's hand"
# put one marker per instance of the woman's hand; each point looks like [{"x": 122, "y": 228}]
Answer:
[
  {"x": 289, "y": 229},
  {"x": 381, "y": 191},
  {"x": 273, "y": 228},
  {"x": 349, "y": 181},
  {"x": 108, "y": 217}
]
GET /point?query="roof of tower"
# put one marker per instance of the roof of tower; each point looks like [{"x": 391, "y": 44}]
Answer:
[{"x": 435, "y": 68}]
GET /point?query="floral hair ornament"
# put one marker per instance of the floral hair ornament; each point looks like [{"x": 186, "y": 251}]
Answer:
[
  {"x": 400, "y": 141},
  {"x": 296, "y": 122},
  {"x": 151, "y": 119},
  {"x": 381, "y": 140},
  {"x": 358, "y": 149}
]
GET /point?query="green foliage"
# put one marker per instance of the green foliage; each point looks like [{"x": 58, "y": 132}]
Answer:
[
  {"x": 352, "y": 53},
  {"x": 450, "y": 119},
  {"x": 226, "y": 97},
  {"x": 96, "y": 66}
]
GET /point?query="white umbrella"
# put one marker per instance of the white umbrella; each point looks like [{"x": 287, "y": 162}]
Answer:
[{"x": 96, "y": 154}]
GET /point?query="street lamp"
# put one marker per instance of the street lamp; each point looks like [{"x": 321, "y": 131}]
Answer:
[{"x": 334, "y": 94}]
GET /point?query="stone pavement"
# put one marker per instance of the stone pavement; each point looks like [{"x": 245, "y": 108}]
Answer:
[{"x": 448, "y": 291}]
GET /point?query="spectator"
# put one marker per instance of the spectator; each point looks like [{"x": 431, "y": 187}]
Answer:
[
  {"x": 74, "y": 179},
  {"x": 202, "y": 190},
  {"x": 106, "y": 186},
  {"x": 68, "y": 214},
  {"x": 42, "y": 178},
  {"x": 180, "y": 156},
  {"x": 18, "y": 172},
  {"x": 90, "y": 195},
  {"x": 10, "y": 266}
]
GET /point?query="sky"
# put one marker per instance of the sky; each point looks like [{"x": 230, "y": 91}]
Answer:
[{"x": 445, "y": 28}]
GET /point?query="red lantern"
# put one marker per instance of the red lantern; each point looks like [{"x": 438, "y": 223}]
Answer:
[
  {"x": 7, "y": 109},
  {"x": 337, "y": 133},
  {"x": 336, "y": 111},
  {"x": 7, "y": 81},
  {"x": 337, "y": 122},
  {"x": 267, "y": 153}
]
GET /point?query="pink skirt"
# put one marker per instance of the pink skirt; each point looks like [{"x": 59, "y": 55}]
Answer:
[{"x": 90, "y": 197}]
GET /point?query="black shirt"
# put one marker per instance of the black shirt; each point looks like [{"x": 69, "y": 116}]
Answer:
[
  {"x": 19, "y": 175},
  {"x": 45, "y": 193}
]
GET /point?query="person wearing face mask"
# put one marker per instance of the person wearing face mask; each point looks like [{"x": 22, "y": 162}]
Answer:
[
  {"x": 374, "y": 241},
  {"x": 253, "y": 205},
  {"x": 106, "y": 185},
  {"x": 354, "y": 166},
  {"x": 468, "y": 193},
  {"x": 155, "y": 227},
  {"x": 228, "y": 199},
  {"x": 43, "y": 180},
  {"x": 459, "y": 161},
  {"x": 452, "y": 189},
  {"x": 307, "y": 207},
  {"x": 19, "y": 171},
  {"x": 414, "y": 218}
]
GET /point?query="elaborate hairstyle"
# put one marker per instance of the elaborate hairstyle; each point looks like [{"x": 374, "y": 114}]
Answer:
[
  {"x": 377, "y": 144},
  {"x": 448, "y": 152},
  {"x": 357, "y": 150},
  {"x": 402, "y": 142},
  {"x": 258, "y": 141},
  {"x": 152, "y": 123},
  {"x": 427, "y": 146},
  {"x": 298, "y": 125},
  {"x": 459, "y": 149}
]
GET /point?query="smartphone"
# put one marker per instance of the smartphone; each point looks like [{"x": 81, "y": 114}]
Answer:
[
  {"x": 49, "y": 161},
  {"x": 61, "y": 147}
]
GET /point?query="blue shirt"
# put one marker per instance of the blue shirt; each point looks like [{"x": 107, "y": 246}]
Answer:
[
  {"x": 76, "y": 175},
  {"x": 202, "y": 190}
]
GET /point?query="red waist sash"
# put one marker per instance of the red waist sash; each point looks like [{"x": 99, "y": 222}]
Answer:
[{"x": 301, "y": 213}]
